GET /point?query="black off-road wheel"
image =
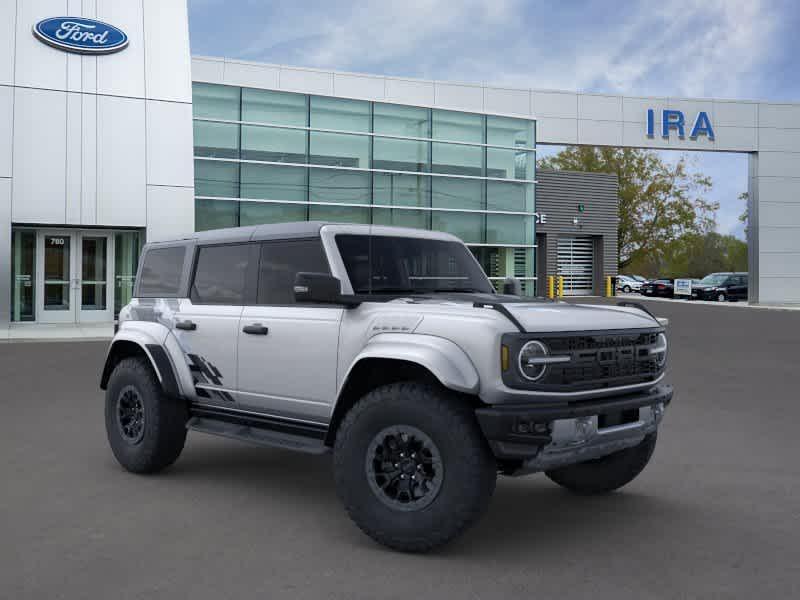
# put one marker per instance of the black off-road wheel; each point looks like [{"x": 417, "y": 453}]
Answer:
[
  {"x": 412, "y": 466},
  {"x": 608, "y": 473},
  {"x": 146, "y": 428}
]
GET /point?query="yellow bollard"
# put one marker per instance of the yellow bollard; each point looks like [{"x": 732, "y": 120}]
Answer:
[
  {"x": 609, "y": 289},
  {"x": 560, "y": 286},
  {"x": 551, "y": 292}
]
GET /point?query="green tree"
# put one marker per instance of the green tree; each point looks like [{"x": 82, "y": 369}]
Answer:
[
  {"x": 695, "y": 255},
  {"x": 744, "y": 217},
  {"x": 659, "y": 202}
]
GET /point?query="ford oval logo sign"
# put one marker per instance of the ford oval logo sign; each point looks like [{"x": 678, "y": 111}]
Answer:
[{"x": 84, "y": 36}]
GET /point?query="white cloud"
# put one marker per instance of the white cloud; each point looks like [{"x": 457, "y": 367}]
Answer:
[
  {"x": 714, "y": 48},
  {"x": 674, "y": 47}
]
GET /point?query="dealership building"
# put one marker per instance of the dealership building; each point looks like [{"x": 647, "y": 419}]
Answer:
[{"x": 112, "y": 134}]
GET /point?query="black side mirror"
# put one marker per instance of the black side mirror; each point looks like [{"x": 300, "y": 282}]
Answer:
[
  {"x": 317, "y": 287},
  {"x": 512, "y": 286}
]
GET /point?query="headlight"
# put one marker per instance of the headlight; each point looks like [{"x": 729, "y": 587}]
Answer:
[{"x": 531, "y": 360}]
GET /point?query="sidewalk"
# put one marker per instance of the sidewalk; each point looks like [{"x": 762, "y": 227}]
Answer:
[
  {"x": 37, "y": 332},
  {"x": 739, "y": 304}
]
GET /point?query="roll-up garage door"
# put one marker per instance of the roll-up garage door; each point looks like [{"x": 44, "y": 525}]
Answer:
[{"x": 576, "y": 264}]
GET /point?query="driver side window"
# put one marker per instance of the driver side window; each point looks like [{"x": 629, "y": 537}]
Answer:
[{"x": 281, "y": 261}]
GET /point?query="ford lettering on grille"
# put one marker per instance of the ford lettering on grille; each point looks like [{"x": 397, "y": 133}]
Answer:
[{"x": 607, "y": 360}]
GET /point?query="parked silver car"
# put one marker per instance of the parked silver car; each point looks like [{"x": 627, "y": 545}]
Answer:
[
  {"x": 628, "y": 284},
  {"x": 389, "y": 348}
]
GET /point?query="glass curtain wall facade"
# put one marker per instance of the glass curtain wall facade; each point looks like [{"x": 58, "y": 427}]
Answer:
[{"x": 264, "y": 156}]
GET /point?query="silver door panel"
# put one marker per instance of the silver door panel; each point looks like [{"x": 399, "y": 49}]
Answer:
[
  {"x": 210, "y": 349},
  {"x": 292, "y": 369}
]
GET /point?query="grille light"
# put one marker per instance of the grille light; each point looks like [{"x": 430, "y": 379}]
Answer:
[{"x": 660, "y": 350}]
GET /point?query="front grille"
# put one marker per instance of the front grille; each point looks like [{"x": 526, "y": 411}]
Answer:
[
  {"x": 597, "y": 360},
  {"x": 602, "y": 360},
  {"x": 562, "y": 345}
]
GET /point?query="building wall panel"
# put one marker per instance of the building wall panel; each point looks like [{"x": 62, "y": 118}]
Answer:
[
  {"x": 170, "y": 212},
  {"x": 735, "y": 114},
  {"x": 123, "y": 73},
  {"x": 248, "y": 74},
  {"x": 6, "y": 129},
  {"x": 778, "y": 115},
  {"x": 40, "y": 118},
  {"x": 36, "y": 64},
  {"x": 463, "y": 97},
  {"x": 307, "y": 81},
  {"x": 121, "y": 162},
  {"x": 562, "y": 105},
  {"x": 74, "y": 162},
  {"x": 169, "y": 144},
  {"x": 409, "y": 91},
  {"x": 8, "y": 19},
  {"x": 208, "y": 69},
  {"x": 89, "y": 159},
  {"x": 599, "y": 108},
  {"x": 513, "y": 102},
  {"x": 358, "y": 86},
  {"x": 167, "y": 61}
]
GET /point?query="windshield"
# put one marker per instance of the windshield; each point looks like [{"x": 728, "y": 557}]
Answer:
[
  {"x": 713, "y": 279},
  {"x": 389, "y": 265}
]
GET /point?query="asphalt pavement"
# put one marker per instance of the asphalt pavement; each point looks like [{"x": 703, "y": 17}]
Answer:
[{"x": 716, "y": 514}]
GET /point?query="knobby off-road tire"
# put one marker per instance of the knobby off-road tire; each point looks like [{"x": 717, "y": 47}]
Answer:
[
  {"x": 145, "y": 427},
  {"x": 454, "y": 463},
  {"x": 606, "y": 474}
]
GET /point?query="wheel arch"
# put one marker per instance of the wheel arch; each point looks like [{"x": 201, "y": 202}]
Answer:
[
  {"x": 123, "y": 347},
  {"x": 390, "y": 358}
]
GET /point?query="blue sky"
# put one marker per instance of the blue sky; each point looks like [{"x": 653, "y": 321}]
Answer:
[{"x": 709, "y": 48}]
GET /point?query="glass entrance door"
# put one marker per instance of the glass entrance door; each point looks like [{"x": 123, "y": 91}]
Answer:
[
  {"x": 55, "y": 281},
  {"x": 73, "y": 281},
  {"x": 93, "y": 289}
]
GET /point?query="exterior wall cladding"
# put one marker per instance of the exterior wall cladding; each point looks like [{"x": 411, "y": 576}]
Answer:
[
  {"x": 107, "y": 141},
  {"x": 558, "y": 195},
  {"x": 95, "y": 141},
  {"x": 769, "y": 132}
]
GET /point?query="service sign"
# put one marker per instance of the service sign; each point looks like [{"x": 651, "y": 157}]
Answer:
[
  {"x": 84, "y": 36},
  {"x": 683, "y": 287}
]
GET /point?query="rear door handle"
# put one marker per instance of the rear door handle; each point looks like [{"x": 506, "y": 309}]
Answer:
[
  {"x": 186, "y": 325},
  {"x": 256, "y": 329}
]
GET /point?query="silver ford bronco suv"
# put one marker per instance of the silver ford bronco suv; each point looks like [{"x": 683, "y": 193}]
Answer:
[{"x": 389, "y": 348}]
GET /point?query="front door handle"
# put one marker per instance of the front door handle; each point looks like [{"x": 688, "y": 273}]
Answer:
[
  {"x": 186, "y": 325},
  {"x": 256, "y": 329}
]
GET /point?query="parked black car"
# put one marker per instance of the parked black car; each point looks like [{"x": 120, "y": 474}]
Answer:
[
  {"x": 663, "y": 288},
  {"x": 721, "y": 287}
]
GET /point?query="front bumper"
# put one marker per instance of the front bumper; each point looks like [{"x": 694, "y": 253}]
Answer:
[
  {"x": 547, "y": 435},
  {"x": 704, "y": 294}
]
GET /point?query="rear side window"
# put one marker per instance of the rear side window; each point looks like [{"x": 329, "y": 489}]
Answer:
[
  {"x": 219, "y": 277},
  {"x": 280, "y": 263},
  {"x": 161, "y": 272}
]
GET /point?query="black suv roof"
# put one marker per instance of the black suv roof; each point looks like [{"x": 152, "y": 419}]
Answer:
[{"x": 298, "y": 229}]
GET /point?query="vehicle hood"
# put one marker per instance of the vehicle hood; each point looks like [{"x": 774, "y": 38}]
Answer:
[
  {"x": 540, "y": 315},
  {"x": 560, "y": 316}
]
